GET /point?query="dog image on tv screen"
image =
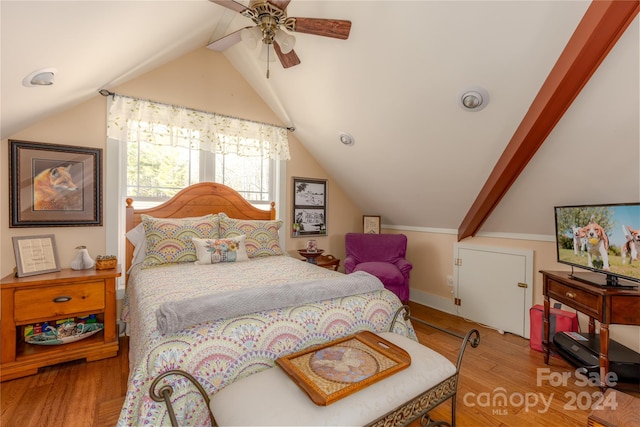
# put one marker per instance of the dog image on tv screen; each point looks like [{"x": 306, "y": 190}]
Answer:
[{"x": 601, "y": 238}]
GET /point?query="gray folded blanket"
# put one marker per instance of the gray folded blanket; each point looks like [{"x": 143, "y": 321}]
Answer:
[{"x": 173, "y": 316}]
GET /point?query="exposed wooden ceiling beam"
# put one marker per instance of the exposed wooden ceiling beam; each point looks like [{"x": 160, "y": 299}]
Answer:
[{"x": 598, "y": 31}]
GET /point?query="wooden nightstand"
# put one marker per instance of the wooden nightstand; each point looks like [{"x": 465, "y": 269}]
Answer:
[
  {"x": 49, "y": 297},
  {"x": 310, "y": 257}
]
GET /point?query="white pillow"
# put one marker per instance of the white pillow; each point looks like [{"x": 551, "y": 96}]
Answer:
[
  {"x": 213, "y": 251},
  {"x": 139, "y": 241}
]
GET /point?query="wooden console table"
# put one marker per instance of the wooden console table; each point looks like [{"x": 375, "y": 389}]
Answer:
[{"x": 606, "y": 305}]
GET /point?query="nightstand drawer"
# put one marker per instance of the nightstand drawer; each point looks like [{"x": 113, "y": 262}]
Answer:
[{"x": 55, "y": 301}]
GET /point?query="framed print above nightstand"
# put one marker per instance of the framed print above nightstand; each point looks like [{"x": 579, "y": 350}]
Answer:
[
  {"x": 54, "y": 185},
  {"x": 371, "y": 224}
]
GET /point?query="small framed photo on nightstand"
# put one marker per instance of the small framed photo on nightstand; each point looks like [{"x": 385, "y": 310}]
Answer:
[
  {"x": 35, "y": 255},
  {"x": 371, "y": 224},
  {"x": 312, "y": 246}
]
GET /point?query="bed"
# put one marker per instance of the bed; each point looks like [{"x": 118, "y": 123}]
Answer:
[{"x": 168, "y": 286}]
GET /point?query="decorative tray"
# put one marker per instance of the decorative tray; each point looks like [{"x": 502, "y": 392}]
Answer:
[
  {"x": 339, "y": 368},
  {"x": 70, "y": 334}
]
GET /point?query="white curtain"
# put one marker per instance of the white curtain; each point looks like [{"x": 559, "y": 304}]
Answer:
[{"x": 132, "y": 119}]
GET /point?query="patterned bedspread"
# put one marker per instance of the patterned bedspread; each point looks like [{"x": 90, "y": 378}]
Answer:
[{"x": 221, "y": 352}]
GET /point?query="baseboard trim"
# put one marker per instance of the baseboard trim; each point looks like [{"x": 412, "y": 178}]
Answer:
[{"x": 434, "y": 301}]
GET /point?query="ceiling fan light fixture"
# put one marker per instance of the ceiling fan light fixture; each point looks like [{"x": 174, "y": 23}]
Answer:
[
  {"x": 270, "y": 19},
  {"x": 473, "y": 99},
  {"x": 285, "y": 41},
  {"x": 251, "y": 36}
]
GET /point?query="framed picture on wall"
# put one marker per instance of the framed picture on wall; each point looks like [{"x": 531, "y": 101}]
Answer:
[
  {"x": 54, "y": 185},
  {"x": 309, "y": 207},
  {"x": 371, "y": 224}
]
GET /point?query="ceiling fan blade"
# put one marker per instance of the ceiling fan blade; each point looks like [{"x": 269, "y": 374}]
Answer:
[
  {"x": 286, "y": 59},
  {"x": 335, "y": 28},
  {"x": 226, "y": 42},
  {"x": 282, "y": 4},
  {"x": 230, "y": 4}
]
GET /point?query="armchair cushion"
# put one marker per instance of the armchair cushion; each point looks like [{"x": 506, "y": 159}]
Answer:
[{"x": 388, "y": 273}]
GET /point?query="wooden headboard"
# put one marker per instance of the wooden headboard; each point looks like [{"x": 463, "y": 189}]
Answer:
[{"x": 198, "y": 200}]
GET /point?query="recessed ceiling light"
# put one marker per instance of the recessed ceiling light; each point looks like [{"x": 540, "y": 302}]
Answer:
[
  {"x": 346, "y": 138},
  {"x": 42, "y": 77},
  {"x": 473, "y": 99}
]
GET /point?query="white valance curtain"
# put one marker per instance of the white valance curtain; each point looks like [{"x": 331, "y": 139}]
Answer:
[{"x": 132, "y": 119}]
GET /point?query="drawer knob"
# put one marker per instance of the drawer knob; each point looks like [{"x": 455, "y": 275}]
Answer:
[
  {"x": 62, "y": 299},
  {"x": 570, "y": 295}
]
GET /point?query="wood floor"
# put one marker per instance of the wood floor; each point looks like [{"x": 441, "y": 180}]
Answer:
[{"x": 91, "y": 394}]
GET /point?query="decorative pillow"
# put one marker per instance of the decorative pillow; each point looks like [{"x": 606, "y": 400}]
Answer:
[
  {"x": 213, "y": 251},
  {"x": 139, "y": 241},
  {"x": 262, "y": 236},
  {"x": 169, "y": 239}
]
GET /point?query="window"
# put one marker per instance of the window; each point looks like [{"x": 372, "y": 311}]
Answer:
[
  {"x": 170, "y": 147},
  {"x": 157, "y": 171}
]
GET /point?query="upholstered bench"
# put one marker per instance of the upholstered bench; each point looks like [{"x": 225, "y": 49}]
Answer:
[{"x": 271, "y": 398}]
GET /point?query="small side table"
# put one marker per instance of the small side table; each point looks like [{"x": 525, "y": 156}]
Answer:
[
  {"x": 310, "y": 256},
  {"x": 328, "y": 261}
]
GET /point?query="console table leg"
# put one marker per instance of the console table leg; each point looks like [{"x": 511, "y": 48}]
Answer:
[{"x": 604, "y": 354}]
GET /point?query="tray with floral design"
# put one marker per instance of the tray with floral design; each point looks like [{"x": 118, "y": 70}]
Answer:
[
  {"x": 339, "y": 368},
  {"x": 65, "y": 334}
]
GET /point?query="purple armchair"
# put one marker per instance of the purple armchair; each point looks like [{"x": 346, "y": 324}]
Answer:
[{"x": 382, "y": 255}]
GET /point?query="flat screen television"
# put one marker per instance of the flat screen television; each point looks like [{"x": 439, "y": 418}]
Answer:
[{"x": 603, "y": 239}]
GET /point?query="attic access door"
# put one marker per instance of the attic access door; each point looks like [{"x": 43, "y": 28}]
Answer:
[{"x": 494, "y": 286}]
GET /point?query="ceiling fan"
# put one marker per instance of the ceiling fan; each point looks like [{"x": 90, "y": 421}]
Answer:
[{"x": 270, "y": 18}]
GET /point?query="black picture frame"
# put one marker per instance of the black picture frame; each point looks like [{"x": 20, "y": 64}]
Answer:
[
  {"x": 54, "y": 185},
  {"x": 309, "y": 207}
]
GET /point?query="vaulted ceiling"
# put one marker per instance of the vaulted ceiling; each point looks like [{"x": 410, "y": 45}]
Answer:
[{"x": 419, "y": 159}]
